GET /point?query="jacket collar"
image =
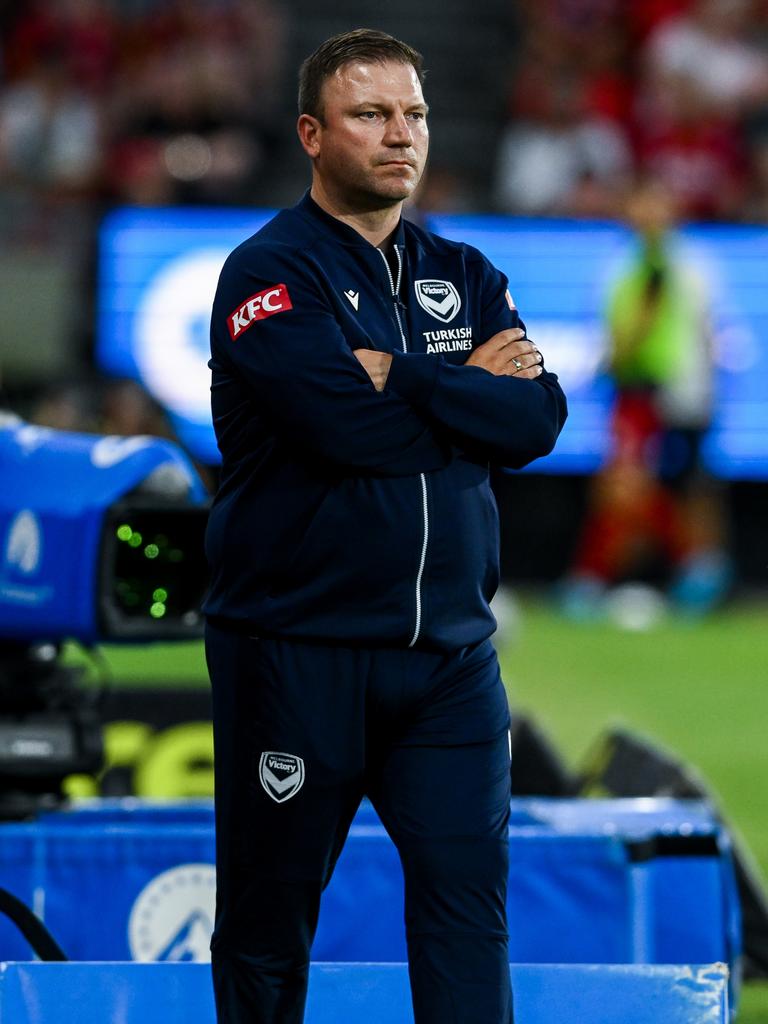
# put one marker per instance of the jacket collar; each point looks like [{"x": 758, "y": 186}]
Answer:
[{"x": 343, "y": 232}]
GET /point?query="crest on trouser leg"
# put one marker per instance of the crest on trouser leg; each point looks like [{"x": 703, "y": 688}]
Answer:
[{"x": 281, "y": 775}]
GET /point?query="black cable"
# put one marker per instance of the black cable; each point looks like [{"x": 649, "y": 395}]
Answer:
[{"x": 31, "y": 927}]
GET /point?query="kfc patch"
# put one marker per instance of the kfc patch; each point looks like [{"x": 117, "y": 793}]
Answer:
[{"x": 274, "y": 299}]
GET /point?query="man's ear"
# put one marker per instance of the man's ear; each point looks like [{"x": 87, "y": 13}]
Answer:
[{"x": 309, "y": 129}]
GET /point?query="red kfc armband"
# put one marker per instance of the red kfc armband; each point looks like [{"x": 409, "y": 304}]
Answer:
[{"x": 274, "y": 299}]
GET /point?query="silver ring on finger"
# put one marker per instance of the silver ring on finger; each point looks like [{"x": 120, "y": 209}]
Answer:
[{"x": 518, "y": 364}]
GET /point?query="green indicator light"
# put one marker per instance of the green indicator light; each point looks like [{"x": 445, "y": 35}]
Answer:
[
  {"x": 151, "y": 550},
  {"x": 157, "y": 611},
  {"x": 124, "y": 532},
  {"x": 160, "y": 595},
  {"x": 135, "y": 540}
]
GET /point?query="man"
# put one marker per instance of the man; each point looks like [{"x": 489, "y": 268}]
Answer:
[
  {"x": 365, "y": 373},
  {"x": 653, "y": 497}
]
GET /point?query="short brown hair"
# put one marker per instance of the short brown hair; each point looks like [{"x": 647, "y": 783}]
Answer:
[{"x": 365, "y": 45}]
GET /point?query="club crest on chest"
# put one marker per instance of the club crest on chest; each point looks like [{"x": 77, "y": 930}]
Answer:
[{"x": 438, "y": 298}]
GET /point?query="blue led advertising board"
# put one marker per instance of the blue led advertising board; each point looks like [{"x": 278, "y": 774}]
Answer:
[{"x": 159, "y": 268}]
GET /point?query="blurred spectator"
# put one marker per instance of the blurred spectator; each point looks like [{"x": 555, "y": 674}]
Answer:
[
  {"x": 191, "y": 116},
  {"x": 606, "y": 60},
  {"x": 127, "y": 409},
  {"x": 697, "y": 153},
  {"x": 127, "y": 101},
  {"x": 119, "y": 407},
  {"x": 49, "y": 130},
  {"x": 585, "y": 35},
  {"x": 559, "y": 159},
  {"x": 643, "y": 16},
  {"x": 653, "y": 499},
  {"x": 162, "y": 102},
  {"x": 70, "y": 405},
  {"x": 605, "y": 90},
  {"x": 566, "y": 151},
  {"x": 82, "y": 32},
  {"x": 710, "y": 46},
  {"x": 57, "y": 59}
]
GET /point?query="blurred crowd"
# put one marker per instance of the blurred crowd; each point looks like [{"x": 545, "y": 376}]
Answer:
[
  {"x": 106, "y": 103},
  {"x": 153, "y": 102},
  {"x": 605, "y": 91},
  {"x": 146, "y": 102},
  {"x": 163, "y": 102}
]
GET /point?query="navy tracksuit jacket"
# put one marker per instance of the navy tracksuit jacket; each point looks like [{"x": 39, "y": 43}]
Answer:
[
  {"x": 344, "y": 513},
  {"x": 354, "y": 548}
]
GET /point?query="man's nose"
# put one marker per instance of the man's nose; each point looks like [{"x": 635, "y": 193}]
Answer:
[{"x": 398, "y": 131}]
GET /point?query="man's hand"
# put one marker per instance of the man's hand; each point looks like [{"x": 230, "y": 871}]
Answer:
[
  {"x": 509, "y": 354},
  {"x": 376, "y": 365}
]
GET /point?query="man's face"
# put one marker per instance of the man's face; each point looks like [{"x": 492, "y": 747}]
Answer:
[{"x": 370, "y": 149}]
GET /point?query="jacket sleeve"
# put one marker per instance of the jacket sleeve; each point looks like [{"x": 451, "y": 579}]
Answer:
[
  {"x": 503, "y": 420},
  {"x": 273, "y": 329}
]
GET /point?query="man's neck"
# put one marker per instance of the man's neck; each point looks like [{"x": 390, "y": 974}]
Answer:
[{"x": 376, "y": 226}]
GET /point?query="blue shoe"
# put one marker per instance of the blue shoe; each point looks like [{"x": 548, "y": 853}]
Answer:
[
  {"x": 581, "y": 598},
  {"x": 702, "y": 583}
]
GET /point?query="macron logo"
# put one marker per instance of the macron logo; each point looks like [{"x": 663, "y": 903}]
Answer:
[
  {"x": 354, "y": 298},
  {"x": 272, "y": 300}
]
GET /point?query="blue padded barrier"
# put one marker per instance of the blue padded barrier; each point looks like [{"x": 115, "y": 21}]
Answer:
[
  {"x": 33, "y": 993},
  {"x": 85, "y": 880},
  {"x": 599, "y": 881}
]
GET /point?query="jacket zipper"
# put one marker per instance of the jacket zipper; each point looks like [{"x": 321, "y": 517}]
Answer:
[{"x": 425, "y": 505}]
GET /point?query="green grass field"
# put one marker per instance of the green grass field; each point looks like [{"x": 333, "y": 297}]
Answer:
[{"x": 698, "y": 688}]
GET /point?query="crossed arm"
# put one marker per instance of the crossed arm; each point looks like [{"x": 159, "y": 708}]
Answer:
[
  {"x": 508, "y": 353},
  {"x": 481, "y": 405},
  {"x": 316, "y": 390}
]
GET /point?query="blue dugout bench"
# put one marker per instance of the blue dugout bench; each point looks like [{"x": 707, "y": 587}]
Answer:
[{"x": 87, "y": 993}]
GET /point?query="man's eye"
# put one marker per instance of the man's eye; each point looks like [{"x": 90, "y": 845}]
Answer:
[
  {"x": 416, "y": 115},
  {"x": 369, "y": 115}
]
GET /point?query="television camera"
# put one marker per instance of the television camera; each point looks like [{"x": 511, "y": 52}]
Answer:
[{"x": 101, "y": 539}]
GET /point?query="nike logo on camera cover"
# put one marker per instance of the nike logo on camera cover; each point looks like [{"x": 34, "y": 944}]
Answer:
[{"x": 274, "y": 299}]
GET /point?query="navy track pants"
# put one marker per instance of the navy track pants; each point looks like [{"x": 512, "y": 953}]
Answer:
[{"x": 302, "y": 731}]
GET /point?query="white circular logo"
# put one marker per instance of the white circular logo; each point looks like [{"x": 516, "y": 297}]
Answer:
[
  {"x": 171, "y": 333},
  {"x": 172, "y": 918}
]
